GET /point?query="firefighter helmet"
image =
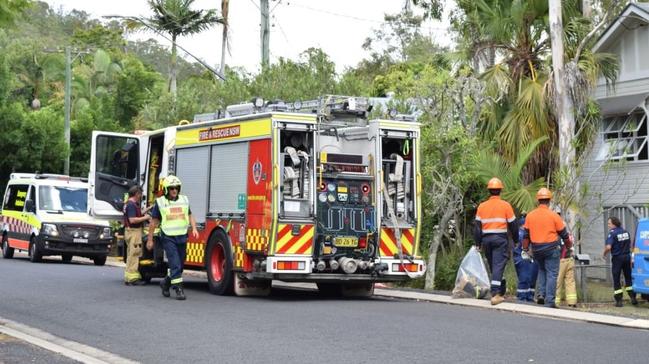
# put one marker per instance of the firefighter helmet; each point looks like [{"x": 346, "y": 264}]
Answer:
[
  {"x": 495, "y": 184},
  {"x": 170, "y": 181},
  {"x": 544, "y": 194}
]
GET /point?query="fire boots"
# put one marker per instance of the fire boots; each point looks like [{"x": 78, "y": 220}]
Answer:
[
  {"x": 164, "y": 285},
  {"x": 180, "y": 293}
]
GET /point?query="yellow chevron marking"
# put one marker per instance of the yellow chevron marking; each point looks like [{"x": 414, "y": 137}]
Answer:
[
  {"x": 301, "y": 242},
  {"x": 388, "y": 241}
]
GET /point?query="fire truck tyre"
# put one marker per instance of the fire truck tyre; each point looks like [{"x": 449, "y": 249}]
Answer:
[
  {"x": 358, "y": 290},
  {"x": 7, "y": 252},
  {"x": 67, "y": 258},
  {"x": 101, "y": 260},
  {"x": 330, "y": 289},
  {"x": 218, "y": 264},
  {"x": 35, "y": 254}
]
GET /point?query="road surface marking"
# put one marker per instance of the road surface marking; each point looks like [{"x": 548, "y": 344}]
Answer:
[{"x": 70, "y": 349}]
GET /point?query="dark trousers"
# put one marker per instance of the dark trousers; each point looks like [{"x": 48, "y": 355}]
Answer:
[
  {"x": 548, "y": 258},
  {"x": 496, "y": 250},
  {"x": 621, "y": 264},
  {"x": 176, "y": 249}
]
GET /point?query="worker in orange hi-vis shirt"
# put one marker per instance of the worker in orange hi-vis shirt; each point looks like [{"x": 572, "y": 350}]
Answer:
[
  {"x": 493, "y": 219},
  {"x": 543, "y": 227}
]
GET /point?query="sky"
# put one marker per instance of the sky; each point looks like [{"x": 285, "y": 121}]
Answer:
[{"x": 339, "y": 27}]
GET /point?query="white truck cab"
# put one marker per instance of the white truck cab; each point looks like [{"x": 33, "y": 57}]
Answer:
[{"x": 46, "y": 214}]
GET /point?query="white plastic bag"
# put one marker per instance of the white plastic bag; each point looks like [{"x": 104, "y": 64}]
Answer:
[{"x": 472, "y": 280}]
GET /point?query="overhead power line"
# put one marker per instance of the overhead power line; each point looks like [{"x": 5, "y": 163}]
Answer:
[{"x": 353, "y": 17}]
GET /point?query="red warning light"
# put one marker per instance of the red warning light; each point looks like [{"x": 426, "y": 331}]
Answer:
[{"x": 365, "y": 188}]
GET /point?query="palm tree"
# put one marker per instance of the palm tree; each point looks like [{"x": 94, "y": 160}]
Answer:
[
  {"x": 176, "y": 18},
  {"x": 511, "y": 40},
  {"x": 91, "y": 81},
  {"x": 520, "y": 194}
]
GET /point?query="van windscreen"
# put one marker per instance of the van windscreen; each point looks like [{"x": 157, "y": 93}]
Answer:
[{"x": 57, "y": 198}]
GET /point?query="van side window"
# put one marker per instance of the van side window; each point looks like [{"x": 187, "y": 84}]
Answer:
[{"x": 15, "y": 197}]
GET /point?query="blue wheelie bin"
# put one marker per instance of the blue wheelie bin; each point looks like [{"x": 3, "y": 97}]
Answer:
[{"x": 640, "y": 272}]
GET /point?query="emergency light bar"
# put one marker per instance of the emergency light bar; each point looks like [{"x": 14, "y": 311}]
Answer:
[{"x": 59, "y": 177}]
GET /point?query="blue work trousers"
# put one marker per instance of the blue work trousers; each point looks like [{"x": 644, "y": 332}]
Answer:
[
  {"x": 527, "y": 272},
  {"x": 176, "y": 249},
  {"x": 548, "y": 259},
  {"x": 496, "y": 250}
]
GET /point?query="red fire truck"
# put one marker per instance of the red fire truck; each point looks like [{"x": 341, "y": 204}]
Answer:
[{"x": 302, "y": 192}]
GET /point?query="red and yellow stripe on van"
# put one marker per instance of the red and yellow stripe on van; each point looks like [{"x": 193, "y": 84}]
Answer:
[
  {"x": 299, "y": 244},
  {"x": 388, "y": 246}
]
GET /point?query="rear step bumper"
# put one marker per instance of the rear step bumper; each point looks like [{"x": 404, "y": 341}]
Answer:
[{"x": 326, "y": 277}]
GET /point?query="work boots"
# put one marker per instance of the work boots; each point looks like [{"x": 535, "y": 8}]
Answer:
[
  {"x": 634, "y": 301},
  {"x": 180, "y": 293},
  {"x": 497, "y": 299},
  {"x": 164, "y": 285},
  {"x": 618, "y": 300}
]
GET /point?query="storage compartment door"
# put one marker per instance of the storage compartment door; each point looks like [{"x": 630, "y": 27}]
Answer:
[
  {"x": 229, "y": 173},
  {"x": 192, "y": 167}
]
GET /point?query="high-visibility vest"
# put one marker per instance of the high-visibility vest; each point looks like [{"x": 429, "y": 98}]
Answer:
[
  {"x": 175, "y": 215},
  {"x": 494, "y": 215}
]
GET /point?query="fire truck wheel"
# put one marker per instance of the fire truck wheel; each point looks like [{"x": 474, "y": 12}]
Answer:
[
  {"x": 7, "y": 252},
  {"x": 330, "y": 289},
  {"x": 358, "y": 289},
  {"x": 218, "y": 264},
  {"x": 35, "y": 254}
]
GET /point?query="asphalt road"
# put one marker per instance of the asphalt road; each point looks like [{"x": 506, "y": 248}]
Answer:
[
  {"x": 13, "y": 350},
  {"x": 90, "y": 305}
]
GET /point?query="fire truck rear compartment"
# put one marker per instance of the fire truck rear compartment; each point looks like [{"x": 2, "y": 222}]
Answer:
[
  {"x": 398, "y": 178},
  {"x": 296, "y": 166}
]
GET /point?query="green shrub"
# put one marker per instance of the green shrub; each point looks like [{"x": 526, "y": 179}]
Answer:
[{"x": 448, "y": 263}]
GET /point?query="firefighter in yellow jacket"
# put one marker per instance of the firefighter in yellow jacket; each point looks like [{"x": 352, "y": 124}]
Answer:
[
  {"x": 566, "y": 280},
  {"x": 171, "y": 211}
]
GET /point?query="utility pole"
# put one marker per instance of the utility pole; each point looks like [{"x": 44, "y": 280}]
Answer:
[
  {"x": 563, "y": 104},
  {"x": 67, "y": 106},
  {"x": 265, "y": 32}
]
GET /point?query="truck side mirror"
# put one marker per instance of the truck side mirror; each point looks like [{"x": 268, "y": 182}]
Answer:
[{"x": 30, "y": 206}]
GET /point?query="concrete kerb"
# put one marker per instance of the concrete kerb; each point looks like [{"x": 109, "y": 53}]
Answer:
[
  {"x": 555, "y": 313},
  {"x": 70, "y": 349}
]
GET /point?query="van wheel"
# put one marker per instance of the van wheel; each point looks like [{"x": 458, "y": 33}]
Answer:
[
  {"x": 66, "y": 258},
  {"x": 35, "y": 255},
  {"x": 99, "y": 260},
  {"x": 7, "y": 251},
  {"x": 218, "y": 263}
]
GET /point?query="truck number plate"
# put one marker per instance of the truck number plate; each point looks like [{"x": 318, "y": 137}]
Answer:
[
  {"x": 80, "y": 240},
  {"x": 346, "y": 242}
]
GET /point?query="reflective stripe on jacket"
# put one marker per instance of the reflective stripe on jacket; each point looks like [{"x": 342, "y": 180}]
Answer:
[
  {"x": 175, "y": 215},
  {"x": 494, "y": 215}
]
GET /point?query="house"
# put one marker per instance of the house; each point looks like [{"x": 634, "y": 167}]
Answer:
[{"x": 617, "y": 171}]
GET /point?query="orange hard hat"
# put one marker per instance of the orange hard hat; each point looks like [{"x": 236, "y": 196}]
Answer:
[
  {"x": 544, "y": 194},
  {"x": 495, "y": 184}
]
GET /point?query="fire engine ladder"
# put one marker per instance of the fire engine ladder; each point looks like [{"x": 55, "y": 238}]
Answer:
[{"x": 396, "y": 227}]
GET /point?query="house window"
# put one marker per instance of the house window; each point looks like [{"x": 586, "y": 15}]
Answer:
[{"x": 624, "y": 138}]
